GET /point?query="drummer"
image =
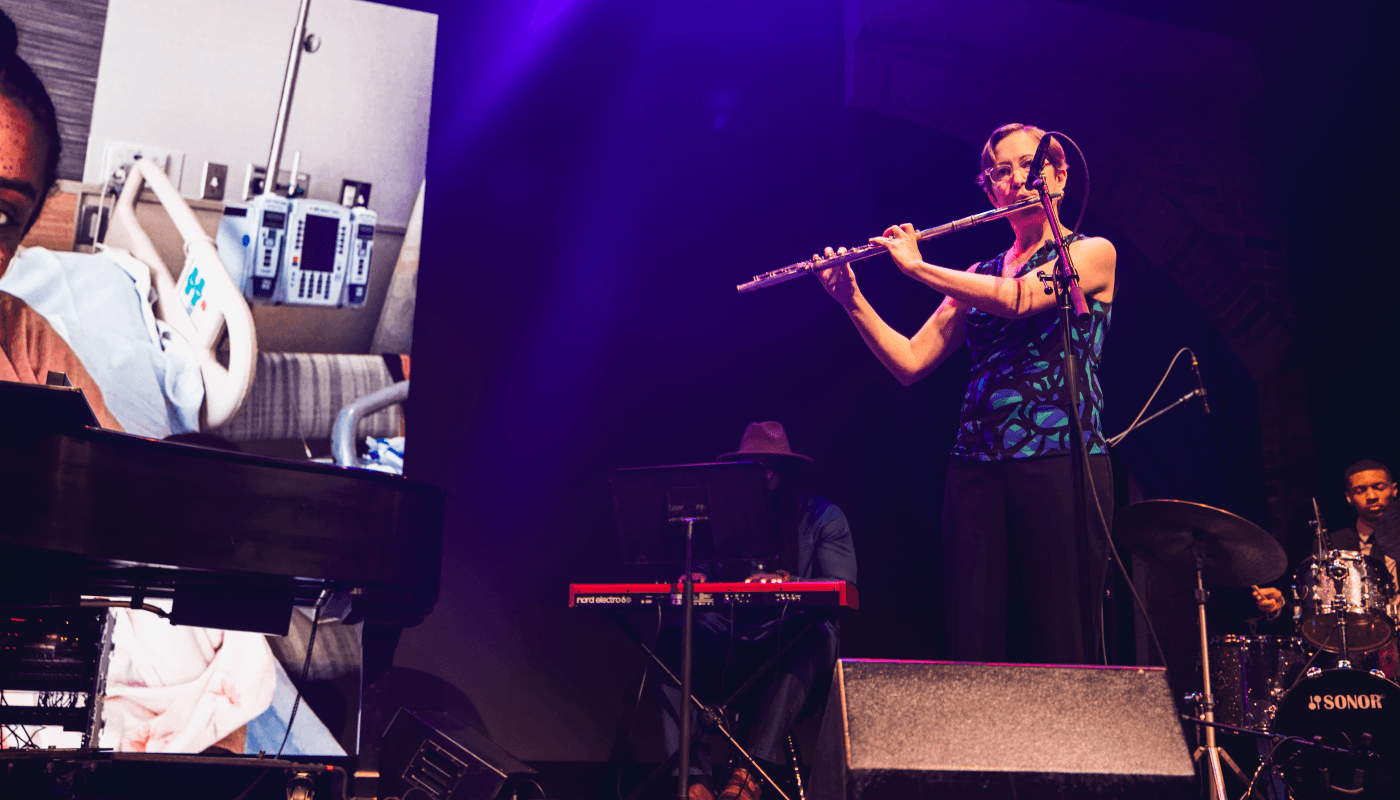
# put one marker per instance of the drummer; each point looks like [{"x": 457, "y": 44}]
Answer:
[{"x": 1370, "y": 489}]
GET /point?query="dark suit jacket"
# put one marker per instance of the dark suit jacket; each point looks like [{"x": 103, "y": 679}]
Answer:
[{"x": 1349, "y": 539}]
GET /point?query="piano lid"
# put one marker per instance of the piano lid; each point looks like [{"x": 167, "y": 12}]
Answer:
[{"x": 120, "y": 500}]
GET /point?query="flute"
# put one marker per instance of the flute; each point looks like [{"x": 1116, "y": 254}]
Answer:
[{"x": 870, "y": 250}]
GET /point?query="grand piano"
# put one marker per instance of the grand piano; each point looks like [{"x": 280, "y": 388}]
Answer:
[{"x": 234, "y": 540}]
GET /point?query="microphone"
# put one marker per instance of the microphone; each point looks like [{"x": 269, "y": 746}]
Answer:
[
  {"x": 1200, "y": 387},
  {"x": 1033, "y": 178}
]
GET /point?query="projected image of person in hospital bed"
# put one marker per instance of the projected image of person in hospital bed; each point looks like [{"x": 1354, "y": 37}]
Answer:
[
  {"x": 170, "y": 688},
  {"x": 29, "y": 346}
]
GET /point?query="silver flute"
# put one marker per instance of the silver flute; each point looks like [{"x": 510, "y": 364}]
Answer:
[{"x": 871, "y": 250}]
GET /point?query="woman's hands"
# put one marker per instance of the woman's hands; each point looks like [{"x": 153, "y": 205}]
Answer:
[
  {"x": 902, "y": 242},
  {"x": 839, "y": 281}
]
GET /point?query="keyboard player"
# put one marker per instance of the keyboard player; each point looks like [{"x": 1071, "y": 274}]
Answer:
[{"x": 731, "y": 644}]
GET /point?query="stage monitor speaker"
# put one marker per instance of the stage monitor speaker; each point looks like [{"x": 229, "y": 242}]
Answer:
[
  {"x": 429, "y": 755},
  {"x": 928, "y": 730}
]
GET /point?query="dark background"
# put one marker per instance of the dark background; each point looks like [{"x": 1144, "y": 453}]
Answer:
[{"x": 602, "y": 173}]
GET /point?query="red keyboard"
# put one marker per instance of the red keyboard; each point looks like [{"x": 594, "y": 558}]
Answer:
[{"x": 804, "y": 593}]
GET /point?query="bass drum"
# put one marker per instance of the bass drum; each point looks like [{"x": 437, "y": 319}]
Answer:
[{"x": 1341, "y": 706}]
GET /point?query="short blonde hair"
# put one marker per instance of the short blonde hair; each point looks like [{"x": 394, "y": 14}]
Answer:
[{"x": 1055, "y": 153}]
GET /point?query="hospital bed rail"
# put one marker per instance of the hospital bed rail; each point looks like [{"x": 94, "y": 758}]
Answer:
[{"x": 202, "y": 304}]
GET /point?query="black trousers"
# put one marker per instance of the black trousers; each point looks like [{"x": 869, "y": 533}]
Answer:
[
  {"x": 724, "y": 660},
  {"x": 1019, "y": 584}
]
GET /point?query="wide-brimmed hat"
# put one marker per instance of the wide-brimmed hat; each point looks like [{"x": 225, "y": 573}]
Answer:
[{"x": 763, "y": 439}]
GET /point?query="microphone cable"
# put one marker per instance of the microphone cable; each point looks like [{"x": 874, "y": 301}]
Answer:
[
  {"x": 1113, "y": 442},
  {"x": 1084, "y": 199},
  {"x": 1111, "y": 552}
]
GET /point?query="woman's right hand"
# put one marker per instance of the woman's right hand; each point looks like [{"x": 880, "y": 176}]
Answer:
[{"x": 839, "y": 281}]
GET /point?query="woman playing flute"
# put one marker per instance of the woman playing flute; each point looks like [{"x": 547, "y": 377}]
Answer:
[{"x": 1018, "y": 582}]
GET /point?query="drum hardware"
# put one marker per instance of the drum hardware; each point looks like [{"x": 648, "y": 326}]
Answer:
[
  {"x": 1339, "y": 609},
  {"x": 1252, "y": 676},
  {"x": 1341, "y": 602},
  {"x": 1228, "y": 549},
  {"x": 1342, "y": 598},
  {"x": 1318, "y": 750},
  {"x": 1319, "y": 528},
  {"x": 1334, "y": 730},
  {"x": 1339, "y": 730},
  {"x": 1338, "y": 573}
]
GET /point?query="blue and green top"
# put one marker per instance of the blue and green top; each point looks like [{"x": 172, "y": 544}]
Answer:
[{"x": 1014, "y": 407}]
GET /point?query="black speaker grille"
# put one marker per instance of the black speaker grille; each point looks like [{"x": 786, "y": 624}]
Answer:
[
  {"x": 971, "y": 727},
  {"x": 444, "y": 758},
  {"x": 435, "y": 771}
]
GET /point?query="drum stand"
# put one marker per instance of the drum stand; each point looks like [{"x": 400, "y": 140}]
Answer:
[
  {"x": 1211, "y": 753},
  {"x": 1315, "y": 743},
  {"x": 1198, "y": 701},
  {"x": 1339, "y": 608}
]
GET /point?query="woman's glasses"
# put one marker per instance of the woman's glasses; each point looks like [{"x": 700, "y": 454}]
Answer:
[{"x": 1001, "y": 173}]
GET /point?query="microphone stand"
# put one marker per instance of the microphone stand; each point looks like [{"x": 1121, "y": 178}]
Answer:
[
  {"x": 1185, "y": 398},
  {"x": 1069, "y": 296}
]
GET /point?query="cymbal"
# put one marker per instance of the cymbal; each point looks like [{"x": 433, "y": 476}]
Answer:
[{"x": 1234, "y": 551}]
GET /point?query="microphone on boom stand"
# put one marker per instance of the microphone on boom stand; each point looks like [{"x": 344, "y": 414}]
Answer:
[
  {"x": 1200, "y": 387},
  {"x": 1034, "y": 180}
]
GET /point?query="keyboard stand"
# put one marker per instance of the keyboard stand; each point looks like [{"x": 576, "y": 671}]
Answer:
[{"x": 716, "y": 716}]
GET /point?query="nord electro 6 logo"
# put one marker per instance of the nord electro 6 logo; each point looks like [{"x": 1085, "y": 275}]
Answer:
[{"x": 1329, "y": 702}]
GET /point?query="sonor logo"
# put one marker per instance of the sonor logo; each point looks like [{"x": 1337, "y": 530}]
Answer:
[{"x": 1330, "y": 702}]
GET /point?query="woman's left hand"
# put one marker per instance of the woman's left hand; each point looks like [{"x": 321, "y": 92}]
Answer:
[{"x": 903, "y": 246}]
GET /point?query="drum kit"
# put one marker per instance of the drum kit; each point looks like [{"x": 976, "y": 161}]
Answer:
[{"x": 1334, "y": 731}]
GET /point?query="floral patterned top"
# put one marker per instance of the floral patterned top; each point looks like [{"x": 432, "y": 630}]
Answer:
[{"x": 1014, "y": 406}]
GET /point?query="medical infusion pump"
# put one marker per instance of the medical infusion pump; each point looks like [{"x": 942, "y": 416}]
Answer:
[
  {"x": 362, "y": 222},
  {"x": 296, "y": 251}
]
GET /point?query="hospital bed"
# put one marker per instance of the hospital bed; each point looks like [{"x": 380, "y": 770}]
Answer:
[
  {"x": 202, "y": 326},
  {"x": 197, "y": 327}
]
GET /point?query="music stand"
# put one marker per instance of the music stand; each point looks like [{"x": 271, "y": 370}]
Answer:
[
  {"x": 651, "y": 504},
  {"x": 678, "y": 514}
]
